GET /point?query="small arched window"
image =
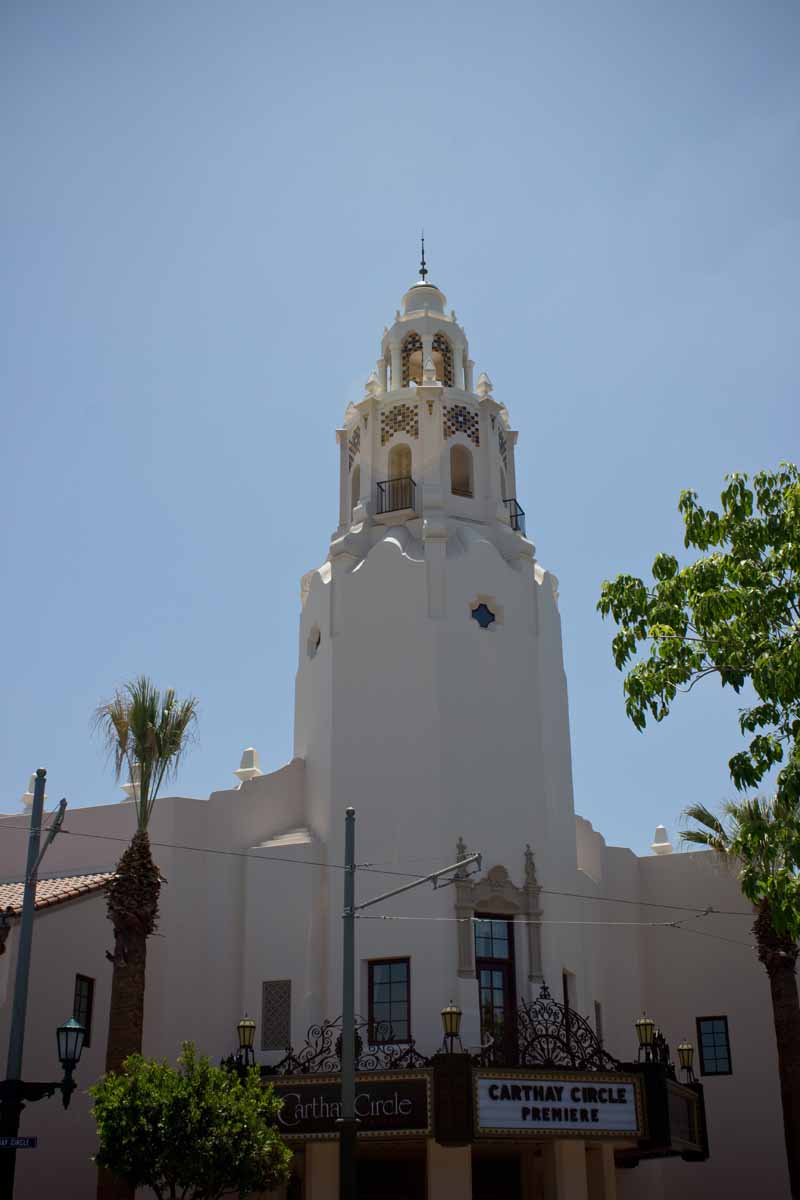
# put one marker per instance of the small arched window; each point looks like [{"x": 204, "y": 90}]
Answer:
[
  {"x": 412, "y": 359},
  {"x": 400, "y": 462},
  {"x": 355, "y": 486},
  {"x": 461, "y": 481},
  {"x": 443, "y": 360}
]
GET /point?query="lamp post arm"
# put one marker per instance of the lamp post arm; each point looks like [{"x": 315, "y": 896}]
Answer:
[
  {"x": 52, "y": 832},
  {"x": 432, "y": 878}
]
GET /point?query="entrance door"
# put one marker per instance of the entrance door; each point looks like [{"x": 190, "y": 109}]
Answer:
[
  {"x": 494, "y": 966},
  {"x": 391, "y": 1179}
]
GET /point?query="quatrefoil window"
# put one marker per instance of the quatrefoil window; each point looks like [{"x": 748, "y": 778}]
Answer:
[{"x": 483, "y": 615}]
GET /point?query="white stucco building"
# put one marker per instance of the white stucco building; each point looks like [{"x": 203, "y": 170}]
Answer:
[{"x": 430, "y": 697}]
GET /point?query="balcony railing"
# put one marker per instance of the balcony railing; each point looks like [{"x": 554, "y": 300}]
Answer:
[
  {"x": 516, "y": 515},
  {"x": 396, "y": 494}
]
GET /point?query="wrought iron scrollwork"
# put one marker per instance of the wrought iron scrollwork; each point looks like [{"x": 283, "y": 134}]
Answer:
[
  {"x": 551, "y": 1035},
  {"x": 375, "y": 1050}
]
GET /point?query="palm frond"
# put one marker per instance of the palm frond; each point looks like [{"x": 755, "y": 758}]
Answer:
[
  {"x": 704, "y": 816},
  {"x": 145, "y": 730}
]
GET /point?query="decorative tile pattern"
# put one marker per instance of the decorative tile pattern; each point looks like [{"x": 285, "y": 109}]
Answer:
[
  {"x": 276, "y": 1014},
  {"x": 412, "y": 344},
  {"x": 353, "y": 445},
  {"x": 501, "y": 438},
  {"x": 442, "y": 346},
  {"x": 400, "y": 418},
  {"x": 457, "y": 418}
]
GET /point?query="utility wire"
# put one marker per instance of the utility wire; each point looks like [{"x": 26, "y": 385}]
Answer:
[{"x": 374, "y": 870}]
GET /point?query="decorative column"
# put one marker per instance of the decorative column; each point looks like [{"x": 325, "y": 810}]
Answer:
[
  {"x": 533, "y": 912},
  {"x": 449, "y": 1171},
  {"x": 468, "y": 380},
  {"x": 344, "y": 480},
  {"x": 322, "y": 1170},
  {"x": 565, "y": 1171},
  {"x": 397, "y": 366}
]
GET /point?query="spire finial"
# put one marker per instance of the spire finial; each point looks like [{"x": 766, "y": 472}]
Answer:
[{"x": 423, "y": 270}]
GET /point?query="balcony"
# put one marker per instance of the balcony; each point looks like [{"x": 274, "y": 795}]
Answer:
[
  {"x": 397, "y": 495},
  {"x": 516, "y": 515}
]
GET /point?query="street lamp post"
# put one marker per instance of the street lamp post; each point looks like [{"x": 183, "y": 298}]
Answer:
[
  {"x": 348, "y": 1123},
  {"x": 14, "y": 1092}
]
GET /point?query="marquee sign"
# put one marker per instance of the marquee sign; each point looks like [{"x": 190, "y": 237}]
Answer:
[
  {"x": 388, "y": 1104},
  {"x": 595, "y": 1104}
]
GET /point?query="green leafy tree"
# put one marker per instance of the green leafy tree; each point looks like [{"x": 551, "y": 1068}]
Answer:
[
  {"x": 734, "y": 613},
  {"x": 195, "y": 1132},
  {"x": 146, "y": 735},
  {"x": 761, "y": 839}
]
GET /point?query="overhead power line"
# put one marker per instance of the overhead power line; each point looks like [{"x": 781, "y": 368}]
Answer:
[{"x": 375, "y": 870}]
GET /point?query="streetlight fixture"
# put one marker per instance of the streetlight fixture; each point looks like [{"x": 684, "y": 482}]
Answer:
[
  {"x": 246, "y": 1030},
  {"x": 451, "y": 1023},
  {"x": 686, "y": 1059},
  {"x": 645, "y": 1028},
  {"x": 69, "y": 1038}
]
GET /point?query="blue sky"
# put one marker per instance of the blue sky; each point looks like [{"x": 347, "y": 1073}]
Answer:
[{"x": 210, "y": 211}]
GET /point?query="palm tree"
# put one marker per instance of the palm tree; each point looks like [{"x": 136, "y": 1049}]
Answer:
[
  {"x": 147, "y": 733},
  {"x": 761, "y": 839}
]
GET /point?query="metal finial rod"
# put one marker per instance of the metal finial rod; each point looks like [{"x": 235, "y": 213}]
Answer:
[{"x": 423, "y": 270}]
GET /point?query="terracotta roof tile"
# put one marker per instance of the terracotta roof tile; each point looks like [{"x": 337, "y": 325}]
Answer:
[{"x": 52, "y": 891}]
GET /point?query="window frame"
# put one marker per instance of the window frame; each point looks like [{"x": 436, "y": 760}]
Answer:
[
  {"x": 508, "y": 966},
  {"x": 371, "y": 1022},
  {"x": 701, "y": 1056},
  {"x": 87, "y": 1024}
]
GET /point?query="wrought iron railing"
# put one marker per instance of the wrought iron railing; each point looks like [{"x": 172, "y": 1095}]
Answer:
[
  {"x": 396, "y": 494},
  {"x": 516, "y": 515},
  {"x": 545, "y": 1034}
]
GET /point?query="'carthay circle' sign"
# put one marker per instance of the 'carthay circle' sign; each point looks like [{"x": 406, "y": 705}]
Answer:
[
  {"x": 587, "y": 1105},
  {"x": 396, "y": 1103}
]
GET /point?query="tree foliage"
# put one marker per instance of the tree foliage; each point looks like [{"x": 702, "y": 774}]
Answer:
[
  {"x": 762, "y": 838},
  {"x": 192, "y": 1133},
  {"x": 148, "y": 733},
  {"x": 733, "y": 613}
]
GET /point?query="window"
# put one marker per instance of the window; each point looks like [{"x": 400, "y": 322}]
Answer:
[
  {"x": 412, "y": 359},
  {"x": 494, "y": 966},
  {"x": 568, "y": 987},
  {"x": 83, "y": 1003},
  {"x": 355, "y": 486},
  {"x": 714, "y": 1045},
  {"x": 460, "y": 471},
  {"x": 442, "y": 359},
  {"x": 389, "y": 1000}
]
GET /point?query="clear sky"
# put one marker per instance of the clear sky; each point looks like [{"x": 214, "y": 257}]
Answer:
[{"x": 209, "y": 212}]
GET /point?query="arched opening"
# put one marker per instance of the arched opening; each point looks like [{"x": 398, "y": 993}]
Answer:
[
  {"x": 412, "y": 359},
  {"x": 461, "y": 481},
  {"x": 400, "y": 462},
  {"x": 355, "y": 486},
  {"x": 398, "y": 490},
  {"x": 443, "y": 359}
]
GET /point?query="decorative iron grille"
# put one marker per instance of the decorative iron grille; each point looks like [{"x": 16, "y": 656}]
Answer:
[{"x": 321, "y": 1053}]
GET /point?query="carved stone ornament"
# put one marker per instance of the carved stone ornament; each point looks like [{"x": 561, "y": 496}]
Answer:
[{"x": 496, "y": 893}]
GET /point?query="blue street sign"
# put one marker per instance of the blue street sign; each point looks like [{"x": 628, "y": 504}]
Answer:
[{"x": 18, "y": 1143}]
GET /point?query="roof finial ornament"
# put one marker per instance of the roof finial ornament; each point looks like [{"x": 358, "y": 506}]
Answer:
[{"x": 423, "y": 270}]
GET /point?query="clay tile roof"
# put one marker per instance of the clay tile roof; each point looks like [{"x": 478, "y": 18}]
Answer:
[{"x": 52, "y": 891}]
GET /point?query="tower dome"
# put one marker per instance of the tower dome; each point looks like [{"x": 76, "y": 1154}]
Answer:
[{"x": 423, "y": 296}]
